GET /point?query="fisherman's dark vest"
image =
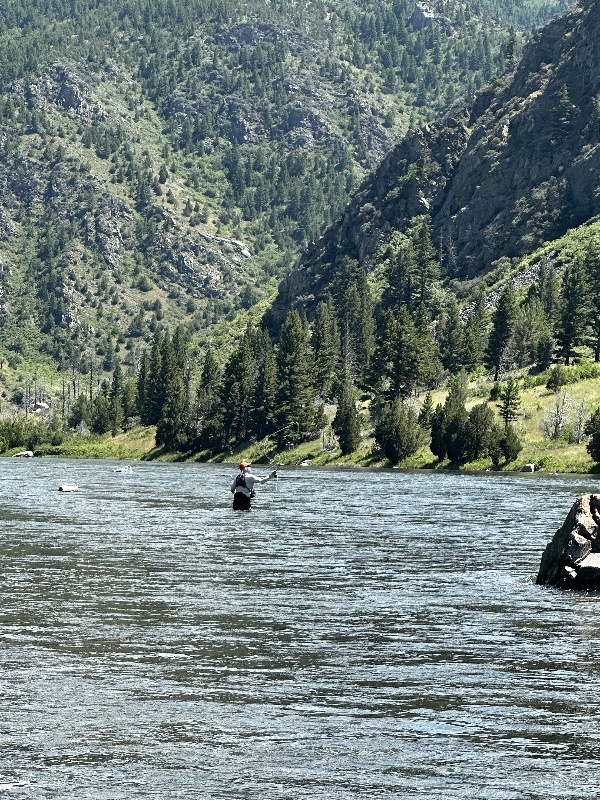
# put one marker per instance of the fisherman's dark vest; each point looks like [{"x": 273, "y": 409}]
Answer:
[{"x": 240, "y": 482}]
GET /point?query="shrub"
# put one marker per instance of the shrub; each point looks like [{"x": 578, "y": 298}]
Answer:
[{"x": 398, "y": 434}]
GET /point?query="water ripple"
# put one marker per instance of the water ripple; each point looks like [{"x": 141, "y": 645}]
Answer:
[{"x": 359, "y": 635}]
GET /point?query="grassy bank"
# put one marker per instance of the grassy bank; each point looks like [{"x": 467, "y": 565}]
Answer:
[{"x": 537, "y": 403}]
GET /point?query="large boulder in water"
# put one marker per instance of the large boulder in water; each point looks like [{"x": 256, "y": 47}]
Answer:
[{"x": 572, "y": 559}]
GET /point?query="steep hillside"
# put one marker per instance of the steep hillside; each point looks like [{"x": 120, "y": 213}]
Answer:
[
  {"x": 162, "y": 162},
  {"x": 498, "y": 176}
]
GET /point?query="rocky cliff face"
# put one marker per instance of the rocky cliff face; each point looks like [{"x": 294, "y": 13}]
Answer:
[{"x": 499, "y": 176}]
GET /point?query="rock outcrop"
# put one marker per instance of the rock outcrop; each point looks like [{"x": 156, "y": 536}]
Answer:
[
  {"x": 499, "y": 175},
  {"x": 571, "y": 559}
]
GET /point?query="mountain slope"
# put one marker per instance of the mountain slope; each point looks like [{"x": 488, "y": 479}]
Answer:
[
  {"x": 161, "y": 162},
  {"x": 499, "y": 176}
]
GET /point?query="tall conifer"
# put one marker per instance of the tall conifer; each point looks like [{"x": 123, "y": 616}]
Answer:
[
  {"x": 574, "y": 310},
  {"x": 296, "y": 414},
  {"x": 346, "y": 423},
  {"x": 502, "y": 328}
]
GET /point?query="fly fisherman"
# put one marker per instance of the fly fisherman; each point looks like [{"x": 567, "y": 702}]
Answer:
[{"x": 243, "y": 487}]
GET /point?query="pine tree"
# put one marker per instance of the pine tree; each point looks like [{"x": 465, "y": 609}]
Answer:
[
  {"x": 449, "y": 430},
  {"x": 574, "y": 310},
  {"x": 411, "y": 266},
  {"x": 354, "y": 305},
  {"x": 405, "y": 355},
  {"x": 429, "y": 366},
  {"x": 296, "y": 414},
  {"x": 426, "y": 412},
  {"x": 398, "y": 434},
  {"x": 207, "y": 417},
  {"x": 529, "y": 331},
  {"x": 172, "y": 429},
  {"x": 400, "y": 263},
  {"x": 264, "y": 412},
  {"x": 346, "y": 423},
  {"x": 548, "y": 291},
  {"x": 510, "y": 402},
  {"x": 452, "y": 338},
  {"x": 237, "y": 393},
  {"x": 475, "y": 334},
  {"x": 592, "y": 269},
  {"x": 502, "y": 328},
  {"x": 116, "y": 399},
  {"x": 381, "y": 365},
  {"x": 100, "y": 411},
  {"x": 426, "y": 260},
  {"x": 153, "y": 390},
  {"x": 172, "y": 426},
  {"x": 325, "y": 342},
  {"x": 479, "y": 426}
]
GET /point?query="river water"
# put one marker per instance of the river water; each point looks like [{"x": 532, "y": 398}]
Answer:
[{"x": 358, "y": 635}]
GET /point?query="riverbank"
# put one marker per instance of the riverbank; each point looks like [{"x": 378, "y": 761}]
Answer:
[
  {"x": 538, "y": 407},
  {"x": 138, "y": 445}
]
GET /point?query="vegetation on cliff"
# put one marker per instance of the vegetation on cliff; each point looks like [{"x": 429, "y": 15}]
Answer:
[{"x": 151, "y": 199}]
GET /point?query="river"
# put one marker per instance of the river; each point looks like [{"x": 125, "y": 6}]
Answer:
[{"x": 358, "y": 635}]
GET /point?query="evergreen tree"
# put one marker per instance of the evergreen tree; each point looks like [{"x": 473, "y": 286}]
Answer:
[
  {"x": 129, "y": 404},
  {"x": 325, "y": 342},
  {"x": 398, "y": 434},
  {"x": 452, "y": 338},
  {"x": 530, "y": 329},
  {"x": 142, "y": 386},
  {"x": 426, "y": 412},
  {"x": 346, "y": 423},
  {"x": 172, "y": 429},
  {"x": 475, "y": 334},
  {"x": 449, "y": 434},
  {"x": 510, "y": 402},
  {"x": 116, "y": 399},
  {"x": 152, "y": 389},
  {"x": 237, "y": 393},
  {"x": 478, "y": 431},
  {"x": 411, "y": 266},
  {"x": 354, "y": 305},
  {"x": 592, "y": 429},
  {"x": 428, "y": 271},
  {"x": 510, "y": 445},
  {"x": 170, "y": 395},
  {"x": 100, "y": 411},
  {"x": 400, "y": 263},
  {"x": 405, "y": 355},
  {"x": 297, "y": 418},
  {"x": 502, "y": 328},
  {"x": 592, "y": 269},
  {"x": 207, "y": 421},
  {"x": 264, "y": 415},
  {"x": 80, "y": 412},
  {"x": 548, "y": 291},
  {"x": 438, "y": 433},
  {"x": 574, "y": 310},
  {"x": 429, "y": 366},
  {"x": 382, "y": 362}
]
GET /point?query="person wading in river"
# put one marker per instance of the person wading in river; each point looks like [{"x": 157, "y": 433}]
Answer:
[{"x": 243, "y": 487}]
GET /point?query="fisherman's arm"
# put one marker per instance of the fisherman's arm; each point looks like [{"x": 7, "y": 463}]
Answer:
[{"x": 268, "y": 477}]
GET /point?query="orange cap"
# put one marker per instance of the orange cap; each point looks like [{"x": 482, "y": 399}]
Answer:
[{"x": 244, "y": 464}]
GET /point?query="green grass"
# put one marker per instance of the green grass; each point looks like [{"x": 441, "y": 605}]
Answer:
[{"x": 560, "y": 455}]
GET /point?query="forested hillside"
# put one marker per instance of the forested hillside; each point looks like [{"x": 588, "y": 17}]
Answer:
[
  {"x": 162, "y": 162},
  {"x": 498, "y": 176},
  {"x": 164, "y": 165}
]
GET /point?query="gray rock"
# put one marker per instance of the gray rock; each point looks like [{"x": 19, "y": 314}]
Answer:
[{"x": 571, "y": 559}]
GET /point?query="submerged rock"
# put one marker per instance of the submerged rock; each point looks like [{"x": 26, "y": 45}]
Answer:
[{"x": 572, "y": 559}]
